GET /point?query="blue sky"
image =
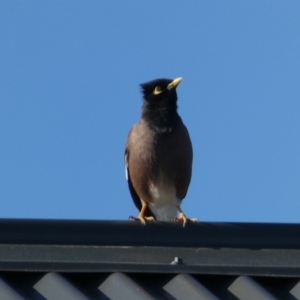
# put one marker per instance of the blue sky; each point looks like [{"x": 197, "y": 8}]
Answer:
[{"x": 69, "y": 86}]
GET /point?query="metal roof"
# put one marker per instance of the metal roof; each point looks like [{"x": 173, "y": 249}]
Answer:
[
  {"x": 61, "y": 259},
  {"x": 115, "y": 285}
]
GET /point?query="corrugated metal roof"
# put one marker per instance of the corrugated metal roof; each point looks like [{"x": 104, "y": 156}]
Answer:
[
  {"x": 46, "y": 259},
  {"x": 117, "y": 286}
]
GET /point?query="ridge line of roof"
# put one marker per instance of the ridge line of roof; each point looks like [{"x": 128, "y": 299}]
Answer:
[{"x": 159, "y": 234}]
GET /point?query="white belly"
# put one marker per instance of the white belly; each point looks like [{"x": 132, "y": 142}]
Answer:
[{"x": 164, "y": 201}]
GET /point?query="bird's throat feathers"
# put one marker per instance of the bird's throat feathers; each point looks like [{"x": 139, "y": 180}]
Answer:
[
  {"x": 160, "y": 108},
  {"x": 163, "y": 120}
]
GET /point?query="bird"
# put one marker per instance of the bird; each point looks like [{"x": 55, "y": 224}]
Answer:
[{"x": 159, "y": 155}]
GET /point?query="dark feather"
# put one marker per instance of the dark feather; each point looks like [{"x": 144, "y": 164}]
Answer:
[{"x": 136, "y": 199}]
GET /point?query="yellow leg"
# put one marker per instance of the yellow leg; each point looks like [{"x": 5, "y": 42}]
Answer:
[
  {"x": 182, "y": 217},
  {"x": 141, "y": 216}
]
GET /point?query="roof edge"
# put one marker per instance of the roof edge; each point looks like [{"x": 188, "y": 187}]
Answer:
[{"x": 158, "y": 234}]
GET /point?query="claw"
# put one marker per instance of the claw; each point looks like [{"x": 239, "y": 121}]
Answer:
[
  {"x": 182, "y": 218},
  {"x": 141, "y": 216},
  {"x": 142, "y": 219}
]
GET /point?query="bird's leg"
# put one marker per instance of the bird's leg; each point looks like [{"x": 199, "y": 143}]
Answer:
[
  {"x": 141, "y": 217},
  {"x": 182, "y": 217}
]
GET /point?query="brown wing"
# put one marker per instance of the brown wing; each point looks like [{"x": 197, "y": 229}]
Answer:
[
  {"x": 184, "y": 164},
  {"x": 134, "y": 195}
]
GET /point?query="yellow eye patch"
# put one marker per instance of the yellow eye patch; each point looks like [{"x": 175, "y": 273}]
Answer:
[{"x": 157, "y": 90}]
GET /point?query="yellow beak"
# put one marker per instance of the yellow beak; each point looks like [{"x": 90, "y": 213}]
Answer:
[{"x": 174, "y": 83}]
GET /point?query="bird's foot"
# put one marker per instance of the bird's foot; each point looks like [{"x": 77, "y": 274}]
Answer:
[
  {"x": 182, "y": 218},
  {"x": 142, "y": 219}
]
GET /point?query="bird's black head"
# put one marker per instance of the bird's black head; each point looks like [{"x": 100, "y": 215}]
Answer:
[{"x": 160, "y": 94}]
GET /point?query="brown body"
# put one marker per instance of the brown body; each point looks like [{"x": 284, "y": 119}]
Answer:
[{"x": 159, "y": 157}]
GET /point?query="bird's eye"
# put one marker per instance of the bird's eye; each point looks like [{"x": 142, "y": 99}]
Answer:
[{"x": 157, "y": 90}]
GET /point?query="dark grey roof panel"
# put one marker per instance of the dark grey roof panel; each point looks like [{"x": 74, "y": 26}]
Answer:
[
  {"x": 119, "y": 286},
  {"x": 54, "y": 286},
  {"x": 7, "y": 292},
  {"x": 184, "y": 287},
  {"x": 161, "y": 234},
  {"x": 229, "y": 261},
  {"x": 295, "y": 291},
  {"x": 142, "y": 286},
  {"x": 79, "y": 260},
  {"x": 245, "y": 288}
]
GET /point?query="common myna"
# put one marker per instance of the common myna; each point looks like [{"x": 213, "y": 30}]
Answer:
[{"x": 159, "y": 155}]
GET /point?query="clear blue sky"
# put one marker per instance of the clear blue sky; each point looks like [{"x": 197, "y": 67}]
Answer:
[{"x": 69, "y": 93}]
